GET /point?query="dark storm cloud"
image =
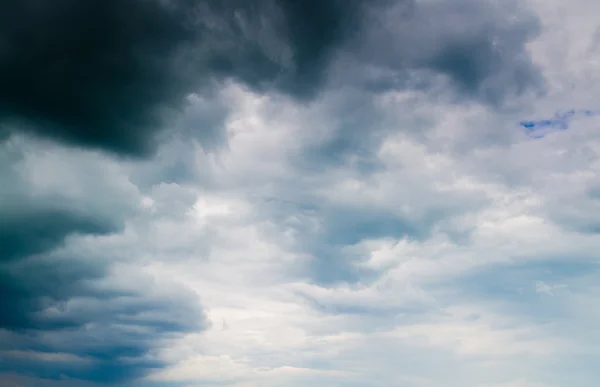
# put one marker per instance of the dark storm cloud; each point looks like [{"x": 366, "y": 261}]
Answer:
[
  {"x": 53, "y": 305},
  {"x": 104, "y": 335},
  {"x": 88, "y": 72},
  {"x": 33, "y": 233},
  {"x": 109, "y": 74},
  {"x": 63, "y": 312},
  {"x": 105, "y": 73}
]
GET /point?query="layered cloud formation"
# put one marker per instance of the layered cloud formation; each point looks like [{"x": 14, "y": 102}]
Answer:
[
  {"x": 110, "y": 74},
  {"x": 284, "y": 193}
]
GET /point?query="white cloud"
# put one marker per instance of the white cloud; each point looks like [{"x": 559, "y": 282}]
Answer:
[
  {"x": 335, "y": 255},
  {"x": 506, "y": 204},
  {"x": 516, "y": 383}
]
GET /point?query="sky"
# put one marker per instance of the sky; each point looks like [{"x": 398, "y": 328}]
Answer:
[{"x": 299, "y": 192}]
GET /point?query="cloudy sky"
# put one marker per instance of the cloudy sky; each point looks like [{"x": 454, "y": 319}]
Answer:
[{"x": 270, "y": 193}]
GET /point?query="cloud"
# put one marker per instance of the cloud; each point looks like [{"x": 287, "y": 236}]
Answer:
[
  {"x": 107, "y": 75},
  {"x": 480, "y": 47},
  {"x": 516, "y": 383},
  {"x": 67, "y": 310},
  {"x": 90, "y": 332},
  {"x": 112, "y": 75},
  {"x": 345, "y": 202},
  {"x": 46, "y": 197},
  {"x": 341, "y": 265}
]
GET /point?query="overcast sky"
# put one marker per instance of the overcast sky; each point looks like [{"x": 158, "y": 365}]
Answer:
[{"x": 296, "y": 193}]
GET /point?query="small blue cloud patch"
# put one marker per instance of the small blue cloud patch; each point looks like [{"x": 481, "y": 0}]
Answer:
[{"x": 561, "y": 120}]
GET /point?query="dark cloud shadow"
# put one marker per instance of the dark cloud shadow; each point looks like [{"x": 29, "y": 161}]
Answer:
[
  {"x": 109, "y": 74},
  {"x": 112, "y": 74},
  {"x": 64, "y": 310}
]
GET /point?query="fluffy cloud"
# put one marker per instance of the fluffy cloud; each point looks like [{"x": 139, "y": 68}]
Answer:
[
  {"x": 332, "y": 193},
  {"x": 67, "y": 310},
  {"x": 109, "y": 75}
]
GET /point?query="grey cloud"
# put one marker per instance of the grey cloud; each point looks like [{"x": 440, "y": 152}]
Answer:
[
  {"x": 328, "y": 230},
  {"x": 356, "y": 128},
  {"x": 61, "y": 304},
  {"x": 479, "y": 45},
  {"x": 563, "y": 172},
  {"x": 111, "y": 74},
  {"x": 576, "y": 215},
  {"x": 36, "y": 217},
  {"x": 406, "y": 311},
  {"x": 63, "y": 309},
  {"x": 12, "y": 379},
  {"x": 595, "y": 45},
  {"x": 107, "y": 74},
  {"x": 334, "y": 263},
  {"x": 32, "y": 233}
]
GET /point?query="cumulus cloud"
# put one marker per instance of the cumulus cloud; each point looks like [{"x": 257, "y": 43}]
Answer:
[
  {"x": 105, "y": 74},
  {"x": 334, "y": 193},
  {"x": 110, "y": 74},
  {"x": 479, "y": 46},
  {"x": 66, "y": 310}
]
